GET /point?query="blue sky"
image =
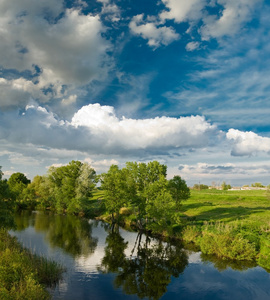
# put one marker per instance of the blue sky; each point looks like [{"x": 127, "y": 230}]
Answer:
[{"x": 109, "y": 81}]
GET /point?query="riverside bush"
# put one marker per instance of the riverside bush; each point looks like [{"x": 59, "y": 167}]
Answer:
[
  {"x": 227, "y": 246},
  {"x": 23, "y": 274},
  {"x": 264, "y": 255}
]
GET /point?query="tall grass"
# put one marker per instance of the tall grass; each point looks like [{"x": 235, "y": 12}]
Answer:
[{"x": 24, "y": 275}]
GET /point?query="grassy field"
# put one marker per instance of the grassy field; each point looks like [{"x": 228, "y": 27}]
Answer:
[{"x": 228, "y": 206}]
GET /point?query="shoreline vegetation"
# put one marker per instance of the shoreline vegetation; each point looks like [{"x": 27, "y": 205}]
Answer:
[
  {"x": 24, "y": 275},
  {"x": 230, "y": 225}
]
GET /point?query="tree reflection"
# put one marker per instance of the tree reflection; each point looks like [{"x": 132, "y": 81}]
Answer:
[
  {"x": 70, "y": 233},
  {"x": 148, "y": 270},
  {"x": 223, "y": 264}
]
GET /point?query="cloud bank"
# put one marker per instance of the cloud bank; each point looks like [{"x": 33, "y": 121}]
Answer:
[{"x": 97, "y": 129}]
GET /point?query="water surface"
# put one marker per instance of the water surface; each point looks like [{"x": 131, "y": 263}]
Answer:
[{"x": 111, "y": 264}]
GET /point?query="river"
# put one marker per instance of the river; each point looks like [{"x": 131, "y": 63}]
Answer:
[{"x": 105, "y": 264}]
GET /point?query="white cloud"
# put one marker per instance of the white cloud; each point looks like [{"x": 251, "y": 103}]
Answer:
[
  {"x": 234, "y": 173},
  {"x": 151, "y": 31},
  {"x": 69, "y": 50},
  {"x": 182, "y": 10},
  {"x": 247, "y": 143},
  {"x": 133, "y": 134},
  {"x": 227, "y": 20},
  {"x": 233, "y": 15},
  {"x": 191, "y": 46},
  {"x": 96, "y": 129},
  {"x": 111, "y": 10},
  {"x": 101, "y": 165}
]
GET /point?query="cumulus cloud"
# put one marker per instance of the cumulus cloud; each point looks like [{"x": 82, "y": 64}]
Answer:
[
  {"x": 182, "y": 10},
  {"x": 151, "y": 31},
  {"x": 247, "y": 143},
  {"x": 65, "y": 45},
  {"x": 97, "y": 129},
  {"x": 159, "y": 132},
  {"x": 225, "y": 17},
  {"x": 233, "y": 15}
]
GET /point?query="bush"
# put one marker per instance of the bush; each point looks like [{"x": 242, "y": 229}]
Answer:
[
  {"x": 227, "y": 246},
  {"x": 22, "y": 274},
  {"x": 126, "y": 211},
  {"x": 264, "y": 255},
  {"x": 191, "y": 234}
]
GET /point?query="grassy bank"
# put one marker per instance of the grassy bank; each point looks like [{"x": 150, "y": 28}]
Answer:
[
  {"x": 23, "y": 275},
  {"x": 228, "y": 224}
]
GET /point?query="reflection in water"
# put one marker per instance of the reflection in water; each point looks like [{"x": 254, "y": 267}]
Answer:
[
  {"x": 148, "y": 270},
  {"x": 69, "y": 233},
  {"x": 223, "y": 264},
  {"x": 126, "y": 265}
]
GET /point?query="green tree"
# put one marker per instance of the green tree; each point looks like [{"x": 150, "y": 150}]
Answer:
[
  {"x": 145, "y": 183},
  {"x": 179, "y": 190},
  {"x": 6, "y": 204},
  {"x": 200, "y": 187},
  {"x": 257, "y": 184},
  {"x": 115, "y": 190},
  {"x": 18, "y": 183},
  {"x": 225, "y": 186},
  {"x": 71, "y": 186}
]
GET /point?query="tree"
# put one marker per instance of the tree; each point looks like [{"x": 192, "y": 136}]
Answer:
[
  {"x": 225, "y": 186},
  {"x": 6, "y": 205},
  {"x": 18, "y": 183},
  {"x": 179, "y": 190},
  {"x": 200, "y": 187},
  {"x": 71, "y": 185},
  {"x": 257, "y": 184},
  {"x": 115, "y": 190}
]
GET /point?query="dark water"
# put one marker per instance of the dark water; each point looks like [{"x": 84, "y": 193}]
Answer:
[{"x": 106, "y": 264}]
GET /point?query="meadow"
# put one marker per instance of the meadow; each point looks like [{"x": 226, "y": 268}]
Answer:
[{"x": 248, "y": 206}]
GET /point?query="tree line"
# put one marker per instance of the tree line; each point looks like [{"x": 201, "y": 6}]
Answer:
[{"x": 143, "y": 188}]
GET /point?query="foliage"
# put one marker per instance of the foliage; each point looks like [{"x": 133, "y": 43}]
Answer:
[
  {"x": 264, "y": 255},
  {"x": 114, "y": 185},
  {"x": 149, "y": 269},
  {"x": 6, "y": 204},
  {"x": 225, "y": 186},
  {"x": 18, "y": 183},
  {"x": 257, "y": 184},
  {"x": 200, "y": 187},
  {"x": 22, "y": 274},
  {"x": 178, "y": 189},
  {"x": 64, "y": 189},
  {"x": 144, "y": 187}
]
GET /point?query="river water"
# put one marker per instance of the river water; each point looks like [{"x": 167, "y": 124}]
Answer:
[{"x": 105, "y": 264}]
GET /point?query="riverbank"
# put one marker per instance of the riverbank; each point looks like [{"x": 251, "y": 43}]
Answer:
[
  {"x": 228, "y": 224},
  {"x": 22, "y": 274}
]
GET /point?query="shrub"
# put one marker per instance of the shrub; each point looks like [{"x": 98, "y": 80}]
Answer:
[
  {"x": 191, "y": 234},
  {"x": 227, "y": 246},
  {"x": 126, "y": 211}
]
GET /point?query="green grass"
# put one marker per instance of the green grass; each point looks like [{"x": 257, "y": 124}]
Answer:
[
  {"x": 22, "y": 274},
  {"x": 228, "y": 206},
  {"x": 229, "y": 224}
]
